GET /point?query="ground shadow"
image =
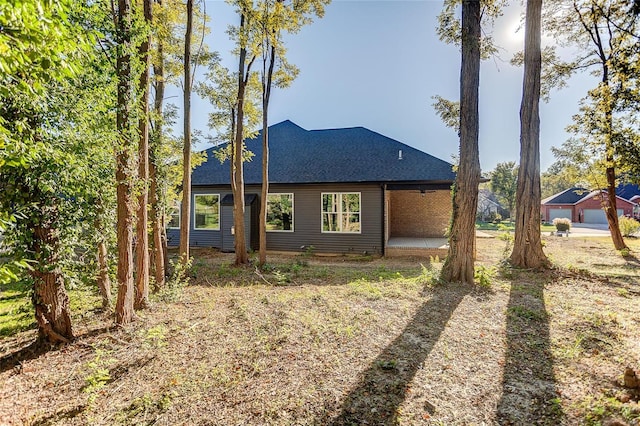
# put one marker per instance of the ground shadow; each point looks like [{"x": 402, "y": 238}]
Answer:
[
  {"x": 35, "y": 348},
  {"x": 529, "y": 394},
  {"x": 383, "y": 386}
]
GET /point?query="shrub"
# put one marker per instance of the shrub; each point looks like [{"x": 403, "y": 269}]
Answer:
[
  {"x": 562, "y": 224},
  {"x": 628, "y": 226}
]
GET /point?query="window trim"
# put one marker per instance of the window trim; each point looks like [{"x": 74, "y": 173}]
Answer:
[
  {"x": 195, "y": 227},
  {"x": 340, "y": 212},
  {"x": 293, "y": 222},
  {"x": 178, "y": 206}
]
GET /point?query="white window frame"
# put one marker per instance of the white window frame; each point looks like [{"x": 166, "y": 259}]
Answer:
[
  {"x": 195, "y": 227},
  {"x": 178, "y": 206},
  {"x": 293, "y": 222},
  {"x": 339, "y": 213}
]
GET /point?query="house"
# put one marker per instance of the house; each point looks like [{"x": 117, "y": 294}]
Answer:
[
  {"x": 582, "y": 206},
  {"x": 342, "y": 191},
  {"x": 629, "y": 191},
  {"x": 489, "y": 207}
]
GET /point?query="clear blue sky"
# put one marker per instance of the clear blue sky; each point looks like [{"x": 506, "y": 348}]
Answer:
[{"x": 377, "y": 64}]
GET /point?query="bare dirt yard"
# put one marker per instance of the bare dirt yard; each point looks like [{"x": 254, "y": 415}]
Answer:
[{"x": 351, "y": 341}]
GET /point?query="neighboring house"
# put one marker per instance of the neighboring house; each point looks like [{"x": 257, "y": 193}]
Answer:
[
  {"x": 489, "y": 206},
  {"x": 631, "y": 192},
  {"x": 582, "y": 206},
  {"x": 334, "y": 191}
]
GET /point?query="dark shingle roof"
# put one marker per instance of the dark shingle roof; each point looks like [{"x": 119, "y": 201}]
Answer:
[
  {"x": 569, "y": 196},
  {"x": 326, "y": 156},
  {"x": 627, "y": 191}
]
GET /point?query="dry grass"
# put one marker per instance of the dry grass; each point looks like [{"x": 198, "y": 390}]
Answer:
[{"x": 317, "y": 341}]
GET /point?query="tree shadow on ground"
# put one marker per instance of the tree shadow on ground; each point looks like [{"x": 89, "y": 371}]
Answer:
[
  {"x": 529, "y": 394},
  {"x": 383, "y": 386},
  {"x": 36, "y": 348}
]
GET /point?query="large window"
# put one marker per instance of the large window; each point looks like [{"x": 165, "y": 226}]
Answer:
[
  {"x": 174, "y": 216},
  {"x": 206, "y": 211},
  {"x": 280, "y": 212},
  {"x": 341, "y": 212}
]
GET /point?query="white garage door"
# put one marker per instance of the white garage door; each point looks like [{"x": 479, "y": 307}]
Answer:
[
  {"x": 597, "y": 215},
  {"x": 554, "y": 213}
]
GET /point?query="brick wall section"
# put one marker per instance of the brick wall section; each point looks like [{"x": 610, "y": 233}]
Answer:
[{"x": 412, "y": 215}]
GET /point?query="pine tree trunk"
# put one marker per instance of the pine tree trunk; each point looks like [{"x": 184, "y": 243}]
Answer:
[
  {"x": 459, "y": 264},
  {"x": 142, "y": 246},
  {"x": 50, "y": 299},
  {"x": 237, "y": 183},
  {"x": 527, "y": 249},
  {"x": 186, "y": 150},
  {"x": 124, "y": 169}
]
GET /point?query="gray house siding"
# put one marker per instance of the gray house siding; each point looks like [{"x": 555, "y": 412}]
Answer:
[
  {"x": 307, "y": 225},
  {"x": 198, "y": 237},
  {"x": 307, "y": 221}
]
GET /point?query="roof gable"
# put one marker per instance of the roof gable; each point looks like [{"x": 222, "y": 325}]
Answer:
[
  {"x": 353, "y": 154},
  {"x": 628, "y": 190},
  {"x": 568, "y": 196}
]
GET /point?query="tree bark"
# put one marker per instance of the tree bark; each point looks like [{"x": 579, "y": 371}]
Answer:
[
  {"x": 609, "y": 204},
  {"x": 124, "y": 168},
  {"x": 459, "y": 264},
  {"x": 50, "y": 299},
  {"x": 237, "y": 183},
  {"x": 266, "y": 95},
  {"x": 186, "y": 150},
  {"x": 527, "y": 249},
  {"x": 142, "y": 246},
  {"x": 157, "y": 212}
]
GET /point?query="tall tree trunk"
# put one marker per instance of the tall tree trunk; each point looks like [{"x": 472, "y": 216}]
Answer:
[
  {"x": 124, "y": 168},
  {"x": 237, "y": 183},
  {"x": 142, "y": 246},
  {"x": 609, "y": 204},
  {"x": 186, "y": 150},
  {"x": 157, "y": 212},
  {"x": 103, "y": 280},
  {"x": 50, "y": 299},
  {"x": 157, "y": 224},
  {"x": 459, "y": 264},
  {"x": 527, "y": 248},
  {"x": 267, "y": 78}
]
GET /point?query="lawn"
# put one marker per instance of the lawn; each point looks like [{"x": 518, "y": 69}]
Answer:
[
  {"x": 508, "y": 225},
  {"x": 340, "y": 341}
]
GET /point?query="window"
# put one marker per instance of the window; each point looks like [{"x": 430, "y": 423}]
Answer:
[
  {"x": 280, "y": 212},
  {"x": 207, "y": 211},
  {"x": 174, "y": 216},
  {"x": 341, "y": 212}
]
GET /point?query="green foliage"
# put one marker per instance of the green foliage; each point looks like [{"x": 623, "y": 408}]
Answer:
[
  {"x": 179, "y": 279},
  {"x": 450, "y": 29},
  {"x": 98, "y": 374},
  {"x": 504, "y": 180},
  {"x": 448, "y": 111},
  {"x": 628, "y": 226},
  {"x": 604, "y": 133},
  {"x": 484, "y": 275}
]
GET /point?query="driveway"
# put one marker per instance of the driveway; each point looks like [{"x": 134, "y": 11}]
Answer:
[{"x": 589, "y": 230}]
